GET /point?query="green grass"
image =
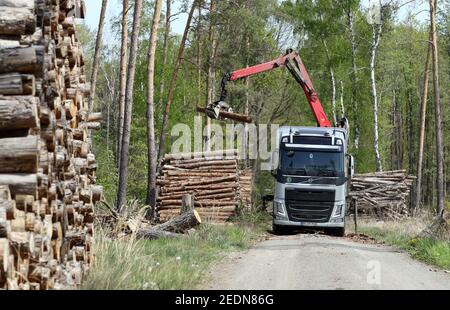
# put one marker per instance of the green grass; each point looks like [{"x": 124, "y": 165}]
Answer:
[
  {"x": 404, "y": 236},
  {"x": 169, "y": 263}
]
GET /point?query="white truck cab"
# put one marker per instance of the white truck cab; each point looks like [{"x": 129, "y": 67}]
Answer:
[{"x": 312, "y": 171}]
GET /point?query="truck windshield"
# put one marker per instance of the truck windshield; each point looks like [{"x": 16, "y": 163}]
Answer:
[{"x": 312, "y": 163}]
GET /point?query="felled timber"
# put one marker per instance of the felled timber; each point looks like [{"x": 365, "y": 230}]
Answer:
[
  {"x": 47, "y": 169},
  {"x": 218, "y": 186},
  {"x": 229, "y": 115},
  {"x": 382, "y": 194}
]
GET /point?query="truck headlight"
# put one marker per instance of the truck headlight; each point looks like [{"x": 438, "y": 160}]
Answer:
[
  {"x": 278, "y": 208},
  {"x": 338, "y": 210}
]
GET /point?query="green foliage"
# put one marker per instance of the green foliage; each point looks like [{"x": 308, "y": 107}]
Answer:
[
  {"x": 251, "y": 32},
  {"x": 107, "y": 174}
]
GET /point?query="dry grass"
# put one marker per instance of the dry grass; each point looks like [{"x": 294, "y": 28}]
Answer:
[
  {"x": 127, "y": 263},
  {"x": 407, "y": 235}
]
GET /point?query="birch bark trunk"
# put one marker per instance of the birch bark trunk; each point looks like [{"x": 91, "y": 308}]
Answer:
[
  {"x": 376, "y": 35},
  {"x": 151, "y": 147}
]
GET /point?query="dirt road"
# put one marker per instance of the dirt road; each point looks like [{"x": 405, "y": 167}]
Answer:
[{"x": 307, "y": 261}]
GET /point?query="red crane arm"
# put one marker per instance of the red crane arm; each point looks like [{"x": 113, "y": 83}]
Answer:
[{"x": 294, "y": 63}]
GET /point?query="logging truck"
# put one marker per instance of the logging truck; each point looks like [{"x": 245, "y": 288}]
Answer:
[
  {"x": 311, "y": 164},
  {"x": 312, "y": 169}
]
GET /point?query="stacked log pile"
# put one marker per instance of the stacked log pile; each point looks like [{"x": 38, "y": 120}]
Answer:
[
  {"x": 47, "y": 169},
  {"x": 382, "y": 194},
  {"x": 212, "y": 178},
  {"x": 245, "y": 188}
]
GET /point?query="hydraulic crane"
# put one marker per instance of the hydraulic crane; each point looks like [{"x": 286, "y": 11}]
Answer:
[
  {"x": 292, "y": 61},
  {"x": 311, "y": 165}
]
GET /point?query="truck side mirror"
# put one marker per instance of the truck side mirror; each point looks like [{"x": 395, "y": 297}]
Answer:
[
  {"x": 274, "y": 163},
  {"x": 351, "y": 165}
]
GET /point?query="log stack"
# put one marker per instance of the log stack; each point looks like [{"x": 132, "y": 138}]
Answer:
[
  {"x": 245, "y": 188},
  {"x": 383, "y": 195},
  {"x": 215, "y": 181},
  {"x": 47, "y": 169}
]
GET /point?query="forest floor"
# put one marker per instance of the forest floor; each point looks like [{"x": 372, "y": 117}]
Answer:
[
  {"x": 317, "y": 261},
  {"x": 170, "y": 263}
]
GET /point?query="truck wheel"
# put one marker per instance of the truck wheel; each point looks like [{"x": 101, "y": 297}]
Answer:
[
  {"x": 279, "y": 230},
  {"x": 338, "y": 231}
]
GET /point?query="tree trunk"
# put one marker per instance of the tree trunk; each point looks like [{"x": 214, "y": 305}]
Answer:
[
  {"x": 353, "y": 77},
  {"x": 17, "y": 21},
  {"x": 96, "y": 61},
  {"x": 19, "y": 112},
  {"x": 199, "y": 56},
  {"x": 247, "y": 106},
  {"x": 123, "y": 170},
  {"x": 17, "y": 84},
  {"x": 210, "y": 78},
  {"x": 423, "y": 113},
  {"x": 233, "y": 116},
  {"x": 123, "y": 78},
  {"x": 173, "y": 84},
  {"x": 21, "y": 59},
  {"x": 151, "y": 147},
  {"x": 342, "y": 99},
  {"x": 152, "y": 234},
  {"x": 181, "y": 223},
  {"x": 376, "y": 31},
  {"x": 437, "y": 111},
  {"x": 19, "y": 155},
  {"x": 333, "y": 93},
  {"x": 165, "y": 51}
]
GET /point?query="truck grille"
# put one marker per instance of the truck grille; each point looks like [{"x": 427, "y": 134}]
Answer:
[
  {"x": 306, "y": 211},
  {"x": 309, "y": 205}
]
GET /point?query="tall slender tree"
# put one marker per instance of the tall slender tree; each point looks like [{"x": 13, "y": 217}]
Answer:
[
  {"x": 437, "y": 111},
  {"x": 376, "y": 36},
  {"x": 174, "y": 82},
  {"x": 211, "y": 64},
  {"x": 198, "y": 37},
  {"x": 353, "y": 74},
  {"x": 423, "y": 114},
  {"x": 151, "y": 147},
  {"x": 166, "y": 41},
  {"x": 123, "y": 168},
  {"x": 97, "y": 52},
  {"x": 123, "y": 77}
]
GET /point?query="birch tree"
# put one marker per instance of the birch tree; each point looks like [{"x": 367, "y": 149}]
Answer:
[{"x": 377, "y": 28}]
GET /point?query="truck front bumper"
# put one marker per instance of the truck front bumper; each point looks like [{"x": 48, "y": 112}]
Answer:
[{"x": 332, "y": 223}]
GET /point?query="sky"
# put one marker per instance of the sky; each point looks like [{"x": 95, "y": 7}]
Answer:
[
  {"x": 115, "y": 8},
  {"x": 418, "y": 7}
]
